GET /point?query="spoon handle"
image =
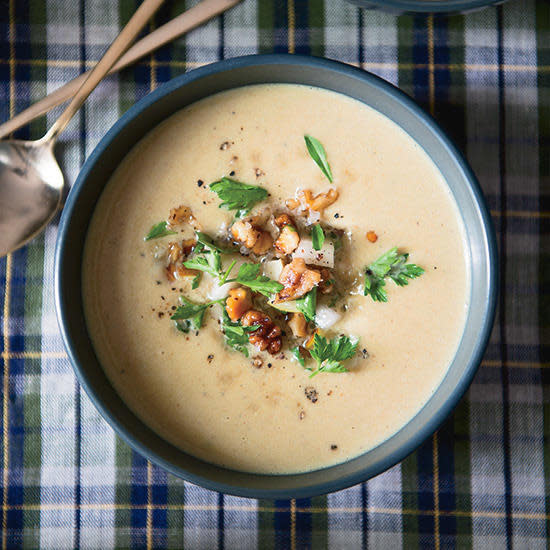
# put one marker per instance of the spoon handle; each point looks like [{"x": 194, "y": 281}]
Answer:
[
  {"x": 111, "y": 56},
  {"x": 190, "y": 19}
]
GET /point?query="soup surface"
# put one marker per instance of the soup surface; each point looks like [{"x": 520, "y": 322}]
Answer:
[{"x": 263, "y": 413}]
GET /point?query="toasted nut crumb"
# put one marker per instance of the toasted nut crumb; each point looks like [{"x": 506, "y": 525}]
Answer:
[
  {"x": 298, "y": 325},
  {"x": 297, "y": 280},
  {"x": 225, "y": 145},
  {"x": 288, "y": 240},
  {"x": 238, "y": 303},
  {"x": 306, "y": 200},
  {"x": 257, "y": 361},
  {"x": 372, "y": 236},
  {"x": 283, "y": 219},
  {"x": 250, "y": 236},
  {"x": 268, "y": 336},
  {"x": 302, "y": 415},
  {"x": 183, "y": 215}
]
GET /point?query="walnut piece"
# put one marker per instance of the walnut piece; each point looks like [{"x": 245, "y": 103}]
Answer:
[
  {"x": 238, "y": 303},
  {"x": 250, "y": 236},
  {"x": 177, "y": 253},
  {"x": 268, "y": 336},
  {"x": 287, "y": 241},
  {"x": 298, "y": 325},
  {"x": 297, "y": 280},
  {"x": 306, "y": 200},
  {"x": 283, "y": 219},
  {"x": 182, "y": 215}
]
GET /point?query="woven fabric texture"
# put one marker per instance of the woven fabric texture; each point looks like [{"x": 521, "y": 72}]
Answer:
[{"x": 482, "y": 481}]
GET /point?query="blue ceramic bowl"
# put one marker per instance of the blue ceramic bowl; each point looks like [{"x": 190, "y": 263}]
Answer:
[
  {"x": 182, "y": 91},
  {"x": 425, "y": 6}
]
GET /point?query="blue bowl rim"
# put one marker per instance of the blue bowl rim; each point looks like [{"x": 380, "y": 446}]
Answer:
[
  {"x": 477, "y": 353},
  {"x": 421, "y": 6}
]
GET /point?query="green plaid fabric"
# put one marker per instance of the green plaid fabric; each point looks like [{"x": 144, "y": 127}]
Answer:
[{"x": 482, "y": 481}]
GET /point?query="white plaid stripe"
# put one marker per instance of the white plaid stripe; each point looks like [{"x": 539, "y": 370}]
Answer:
[
  {"x": 341, "y": 36},
  {"x": 345, "y": 529}
]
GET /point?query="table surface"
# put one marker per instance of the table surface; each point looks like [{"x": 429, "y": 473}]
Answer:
[{"x": 483, "y": 480}]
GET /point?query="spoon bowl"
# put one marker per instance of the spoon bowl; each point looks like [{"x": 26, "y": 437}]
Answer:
[
  {"x": 31, "y": 182},
  {"x": 31, "y": 191}
]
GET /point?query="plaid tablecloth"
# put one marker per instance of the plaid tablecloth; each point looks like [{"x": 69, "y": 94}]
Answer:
[{"x": 482, "y": 481}]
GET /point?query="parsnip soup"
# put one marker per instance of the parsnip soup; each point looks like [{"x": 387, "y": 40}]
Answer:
[{"x": 275, "y": 279}]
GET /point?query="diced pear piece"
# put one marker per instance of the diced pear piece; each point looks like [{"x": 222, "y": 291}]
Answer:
[{"x": 323, "y": 257}]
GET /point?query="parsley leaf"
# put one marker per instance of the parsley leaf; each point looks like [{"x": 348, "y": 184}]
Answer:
[
  {"x": 307, "y": 304},
  {"x": 236, "y": 336},
  {"x": 249, "y": 275},
  {"x": 209, "y": 263},
  {"x": 393, "y": 265},
  {"x": 238, "y": 196},
  {"x": 196, "y": 281},
  {"x": 317, "y": 236},
  {"x": 298, "y": 356},
  {"x": 191, "y": 311},
  {"x": 223, "y": 277},
  {"x": 207, "y": 242},
  {"x": 330, "y": 354},
  {"x": 159, "y": 230},
  {"x": 317, "y": 153}
]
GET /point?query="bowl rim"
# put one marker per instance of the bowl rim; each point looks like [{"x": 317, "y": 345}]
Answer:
[
  {"x": 423, "y": 6},
  {"x": 421, "y": 434}
]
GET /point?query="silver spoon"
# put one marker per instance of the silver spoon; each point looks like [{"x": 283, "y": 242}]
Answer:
[{"x": 31, "y": 182}]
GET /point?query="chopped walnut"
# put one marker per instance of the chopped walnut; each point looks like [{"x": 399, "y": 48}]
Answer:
[
  {"x": 238, "y": 303},
  {"x": 175, "y": 272},
  {"x": 298, "y": 325},
  {"x": 263, "y": 244},
  {"x": 182, "y": 215},
  {"x": 306, "y": 200},
  {"x": 177, "y": 252},
  {"x": 283, "y": 219},
  {"x": 268, "y": 336},
  {"x": 288, "y": 240},
  {"x": 250, "y": 236},
  {"x": 297, "y": 280}
]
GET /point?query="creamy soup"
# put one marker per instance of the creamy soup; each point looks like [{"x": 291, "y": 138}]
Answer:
[{"x": 263, "y": 413}]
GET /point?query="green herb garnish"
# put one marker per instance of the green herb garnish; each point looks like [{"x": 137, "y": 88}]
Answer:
[
  {"x": 237, "y": 195},
  {"x": 207, "y": 242},
  {"x": 210, "y": 263},
  {"x": 392, "y": 265},
  {"x": 298, "y": 356},
  {"x": 317, "y": 236},
  {"x": 196, "y": 281},
  {"x": 317, "y": 153},
  {"x": 183, "y": 326},
  {"x": 193, "y": 312},
  {"x": 236, "y": 336},
  {"x": 159, "y": 230},
  {"x": 223, "y": 277},
  {"x": 329, "y": 354},
  {"x": 307, "y": 304},
  {"x": 249, "y": 275}
]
